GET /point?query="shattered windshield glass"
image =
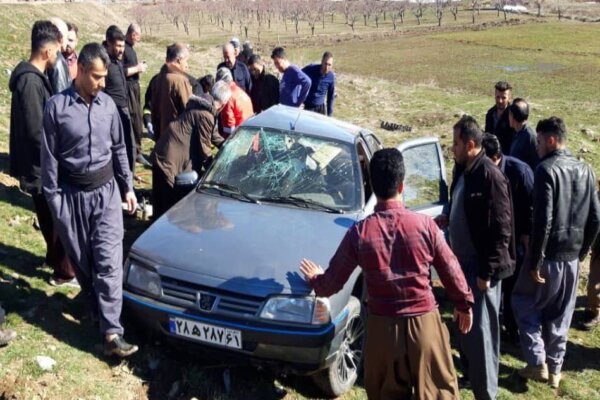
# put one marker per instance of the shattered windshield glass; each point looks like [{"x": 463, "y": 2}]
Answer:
[{"x": 273, "y": 165}]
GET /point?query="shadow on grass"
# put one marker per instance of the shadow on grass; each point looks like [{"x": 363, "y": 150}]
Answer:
[
  {"x": 50, "y": 312},
  {"x": 11, "y": 194}
]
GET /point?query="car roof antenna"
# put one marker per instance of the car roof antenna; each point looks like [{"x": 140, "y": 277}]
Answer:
[{"x": 293, "y": 124}]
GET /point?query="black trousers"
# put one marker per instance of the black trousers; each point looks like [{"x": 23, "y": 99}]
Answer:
[
  {"x": 129, "y": 140},
  {"x": 135, "y": 113},
  {"x": 321, "y": 109},
  {"x": 164, "y": 196},
  {"x": 56, "y": 257}
]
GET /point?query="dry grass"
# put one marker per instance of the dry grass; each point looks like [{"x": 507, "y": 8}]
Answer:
[{"x": 421, "y": 77}]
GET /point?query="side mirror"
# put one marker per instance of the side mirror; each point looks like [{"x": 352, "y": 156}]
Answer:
[{"x": 186, "y": 180}]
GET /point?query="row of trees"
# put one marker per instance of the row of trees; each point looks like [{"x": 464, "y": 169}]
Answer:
[{"x": 258, "y": 16}]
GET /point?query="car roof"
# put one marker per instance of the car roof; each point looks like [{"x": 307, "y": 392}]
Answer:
[{"x": 294, "y": 119}]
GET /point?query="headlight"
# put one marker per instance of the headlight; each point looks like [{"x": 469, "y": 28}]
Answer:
[
  {"x": 144, "y": 280},
  {"x": 307, "y": 310}
]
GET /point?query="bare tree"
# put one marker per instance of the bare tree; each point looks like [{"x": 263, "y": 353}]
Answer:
[
  {"x": 440, "y": 5},
  {"x": 501, "y": 7},
  {"x": 538, "y": 5},
  {"x": 561, "y": 8},
  {"x": 350, "y": 13},
  {"x": 418, "y": 11},
  {"x": 312, "y": 13},
  {"x": 367, "y": 7},
  {"x": 454, "y": 9},
  {"x": 295, "y": 8},
  {"x": 474, "y": 7}
]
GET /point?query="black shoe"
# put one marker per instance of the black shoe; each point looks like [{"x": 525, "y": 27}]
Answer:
[
  {"x": 591, "y": 322},
  {"x": 464, "y": 382},
  {"x": 142, "y": 160},
  {"x": 119, "y": 347}
]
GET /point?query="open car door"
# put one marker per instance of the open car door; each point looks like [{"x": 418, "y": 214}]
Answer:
[{"x": 425, "y": 185}]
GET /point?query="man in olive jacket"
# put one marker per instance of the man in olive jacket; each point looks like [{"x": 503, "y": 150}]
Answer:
[{"x": 482, "y": 237}]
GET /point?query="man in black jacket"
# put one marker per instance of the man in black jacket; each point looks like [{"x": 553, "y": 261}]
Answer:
[
  {"x": 265, "y": 87},
  {"x": 116, "y": 87},
  {"x": 31, "y": 89},
  {"x": 496, "y": 119},
  {"x": 566, "y": 220},
  {"x": 482, "y": 237},
  {"x": 238, "y": 69},
  {"x": 133, "y": 69},
  {"x": 520, "y": 178}
]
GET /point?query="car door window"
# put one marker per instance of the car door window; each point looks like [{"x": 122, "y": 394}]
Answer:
[{"x": 424, "y": 181}]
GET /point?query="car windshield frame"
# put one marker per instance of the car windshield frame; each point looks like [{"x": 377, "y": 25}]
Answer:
[{"x": 325, "y": 200}]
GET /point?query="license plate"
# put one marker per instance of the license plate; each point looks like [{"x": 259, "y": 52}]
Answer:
[{"x": 205, "y": 332}]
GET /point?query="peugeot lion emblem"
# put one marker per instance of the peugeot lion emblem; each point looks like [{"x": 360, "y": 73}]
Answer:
[{"x": 205, "y": 301}]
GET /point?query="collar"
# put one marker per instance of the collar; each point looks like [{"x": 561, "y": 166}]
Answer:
[
  {"x": 75, "y": 97},
  {"x": 557, "y": 153},
  {"x": 389, "y": 205},
  {"x": 475, "y": 162}
]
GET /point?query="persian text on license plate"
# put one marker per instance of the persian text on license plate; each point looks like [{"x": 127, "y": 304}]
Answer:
[{"x": 205, "y": 332}]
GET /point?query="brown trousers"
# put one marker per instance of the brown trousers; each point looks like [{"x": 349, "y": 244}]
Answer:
[
  {"x": 409, "y": 357},
  {"x": 593, "y": 287},
  {"x": 55, "y": 252}
]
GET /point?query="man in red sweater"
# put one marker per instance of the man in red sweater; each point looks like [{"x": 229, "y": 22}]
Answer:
[
  {"x": 238, "y": 108},
  {"x": 408, "y": 348}
]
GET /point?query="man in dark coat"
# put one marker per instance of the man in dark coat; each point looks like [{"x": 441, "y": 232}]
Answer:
[
  {"x": 524, "y": 142},
  {"x": 520, "y": 178},
  {"x": 496, "y": 119},
  {"x": 186, "y": 145},
  {"x": 31, "y": 90},
  {"x": 482, "y": 237},
  {"x": 265, "y": 87},
  {"x": 239, "y": 71},
  {"x": 116, "y": 87},
  {"x": 133, "y": 69}
]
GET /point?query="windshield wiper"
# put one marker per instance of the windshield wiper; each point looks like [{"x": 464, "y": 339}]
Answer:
[
  {"x": 227, "y": 188},
  {"x": 302, "y": 202}
]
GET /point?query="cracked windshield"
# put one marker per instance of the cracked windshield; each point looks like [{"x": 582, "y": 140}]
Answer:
[{"x": 274, "y": 165}]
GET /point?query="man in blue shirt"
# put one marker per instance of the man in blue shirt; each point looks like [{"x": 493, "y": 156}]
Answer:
[
  {"x": 295, "y": 84},
  {"x": 323, "y": 85}
]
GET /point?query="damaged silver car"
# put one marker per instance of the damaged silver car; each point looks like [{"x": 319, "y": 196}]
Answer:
[{"x": 219, "y": 269}]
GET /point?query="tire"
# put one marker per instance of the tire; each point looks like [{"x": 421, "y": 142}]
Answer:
[{"x": 341, "y": 375}]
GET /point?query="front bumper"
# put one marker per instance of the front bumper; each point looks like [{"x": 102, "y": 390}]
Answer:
[{"x": 300, "y": 350}]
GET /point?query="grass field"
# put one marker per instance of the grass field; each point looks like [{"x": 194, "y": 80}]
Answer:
[{"x": 423, "y": 76}]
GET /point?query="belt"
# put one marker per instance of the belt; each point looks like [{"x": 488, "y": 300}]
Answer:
[{"x": 87, "y": 181}]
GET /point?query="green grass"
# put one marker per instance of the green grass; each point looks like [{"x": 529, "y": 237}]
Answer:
[{"x": 419, "y": 76}]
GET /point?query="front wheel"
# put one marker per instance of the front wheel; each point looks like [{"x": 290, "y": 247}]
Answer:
[{"x": 342, "y": 373}]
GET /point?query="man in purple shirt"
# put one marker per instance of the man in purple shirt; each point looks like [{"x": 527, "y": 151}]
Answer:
[
  {"x": 82, "y": 152},
  {"x": 407, "y": 347},
  {"x": 295, "y": 84}
]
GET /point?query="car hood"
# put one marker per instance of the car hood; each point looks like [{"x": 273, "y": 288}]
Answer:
[{"x": 237, "y": 246}]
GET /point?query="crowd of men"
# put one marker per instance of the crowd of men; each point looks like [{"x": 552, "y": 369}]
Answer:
[{"x": 523, "y": 213}]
